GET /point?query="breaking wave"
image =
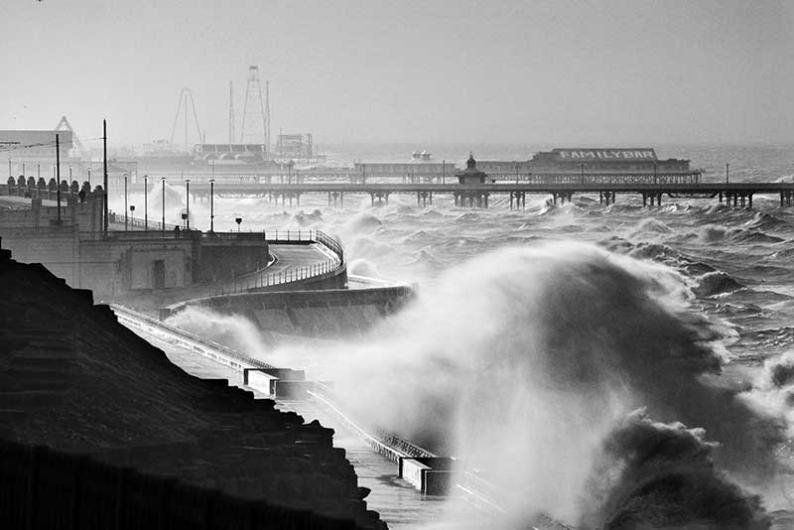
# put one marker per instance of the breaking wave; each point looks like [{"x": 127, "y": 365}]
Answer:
[{"x": 528, "y": 363}]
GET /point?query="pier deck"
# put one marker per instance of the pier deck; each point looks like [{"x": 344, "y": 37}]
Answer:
[{"x": 736, "y": 193}]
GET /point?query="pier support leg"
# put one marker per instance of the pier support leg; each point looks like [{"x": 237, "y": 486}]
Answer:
[
  {"x": 750, "y": 201},
  {"x": 720, "y": 197},
  {"x": 511, "y": 200},
  {"x": 644, "y": 200},
  {"x": 735, "y": 200}
]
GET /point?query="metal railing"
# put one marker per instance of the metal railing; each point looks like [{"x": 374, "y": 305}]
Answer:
[
  {"x": 202, "y": 345},
  {"x": 264, "y": 278}
]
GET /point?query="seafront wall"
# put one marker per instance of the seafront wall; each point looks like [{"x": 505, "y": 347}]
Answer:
[
  {"x": 135, "y": 442},
  {"x": 328, "y": 312},
  {"x": 44, "y": 488}
]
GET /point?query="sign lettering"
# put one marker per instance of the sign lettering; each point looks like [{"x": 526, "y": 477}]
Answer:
[{"x": 606, "y": 154}]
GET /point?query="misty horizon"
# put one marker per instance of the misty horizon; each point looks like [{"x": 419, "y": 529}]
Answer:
[{"x": 540, "y": 73}]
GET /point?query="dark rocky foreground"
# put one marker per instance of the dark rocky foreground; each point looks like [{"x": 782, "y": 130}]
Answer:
[{"x": 99, "y": 430}]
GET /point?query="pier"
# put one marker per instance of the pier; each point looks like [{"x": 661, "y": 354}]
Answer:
[{"x": 738, "y": 194}]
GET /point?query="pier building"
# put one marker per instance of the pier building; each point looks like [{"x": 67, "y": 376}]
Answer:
[
  {"x": 294, "y": 147},
  {"x": 628, "y": 163},
  {"x": 421, "y": 168}
]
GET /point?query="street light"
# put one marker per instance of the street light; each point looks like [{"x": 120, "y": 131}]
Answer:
[
  {"x": 132, "y": 210},
  {"x": 212, "y": 205},
  {"x": 125, "y": 202},
  {"x": 146, "y": 203},
  {"x": 163, "y": 224},
  {"x": 238, "y": 220},
  {"x": 187, "y": 200}
]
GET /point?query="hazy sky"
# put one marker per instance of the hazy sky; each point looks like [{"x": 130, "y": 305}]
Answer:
[{"x": 610, "y": 72}]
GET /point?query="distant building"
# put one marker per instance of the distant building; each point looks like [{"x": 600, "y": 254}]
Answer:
[
  {"x": 294, "y": 146},
  {"x": 471, "y": 175},
  {"x": 609, "y": 160},
  {"x": 74, "y": 247},
  {"x": 636, "y": 162},
  {"x": 37, "y": 146},
  {"x": 421, "y": 166},
  {"x": 232, "y": 153}
]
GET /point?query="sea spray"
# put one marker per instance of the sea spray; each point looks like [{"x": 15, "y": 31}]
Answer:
[
  {"x": 522, "y": 361},
  {"x": 234, "y": 331},
  {"x": 526, "y": 363}
]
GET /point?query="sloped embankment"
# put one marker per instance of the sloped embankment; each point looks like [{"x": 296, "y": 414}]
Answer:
[{"x": 96, "y": 422}]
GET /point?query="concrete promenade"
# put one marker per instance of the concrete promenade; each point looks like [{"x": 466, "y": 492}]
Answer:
[{"x": 400, "y": 504}]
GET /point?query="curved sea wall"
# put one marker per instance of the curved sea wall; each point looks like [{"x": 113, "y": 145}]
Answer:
[{"x": 324, "y": 313}]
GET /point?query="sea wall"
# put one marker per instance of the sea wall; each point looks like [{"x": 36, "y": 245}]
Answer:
[
  {"x": 311, "y": 313},
  {"x": 44, "y": 488},
  {"x": 132, "y": 438}
]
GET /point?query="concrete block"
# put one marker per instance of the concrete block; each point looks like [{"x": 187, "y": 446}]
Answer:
[{"x": 431, "y": 476}]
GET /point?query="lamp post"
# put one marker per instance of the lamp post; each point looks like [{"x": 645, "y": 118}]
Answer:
[
  {"x": 132, "y": 210},
  {"x": 727, "y": 173},
  {"x": 163, "y": 224},
  {"x": 125, "y": 202},
  {"x": 89, "y": 176},
  {"x": 187, "y": 200},
  {"x": 146, "y": 203},
  {"x": 58, "y": 174},
  {"x": 212, "y": 205},
  {"x": 238, "y": 220}
]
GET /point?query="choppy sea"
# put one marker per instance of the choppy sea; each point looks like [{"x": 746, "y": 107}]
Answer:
[{"x": 657, "y": 342}]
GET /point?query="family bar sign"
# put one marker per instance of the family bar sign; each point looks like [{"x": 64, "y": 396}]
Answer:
[{"x": 607, "y": 154}]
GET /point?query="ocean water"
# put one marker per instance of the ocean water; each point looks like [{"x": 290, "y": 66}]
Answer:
[{"x": 611, "y": 366}]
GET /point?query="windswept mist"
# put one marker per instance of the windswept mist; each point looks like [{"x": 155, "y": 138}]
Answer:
[{"x": 530, "y": 364}]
